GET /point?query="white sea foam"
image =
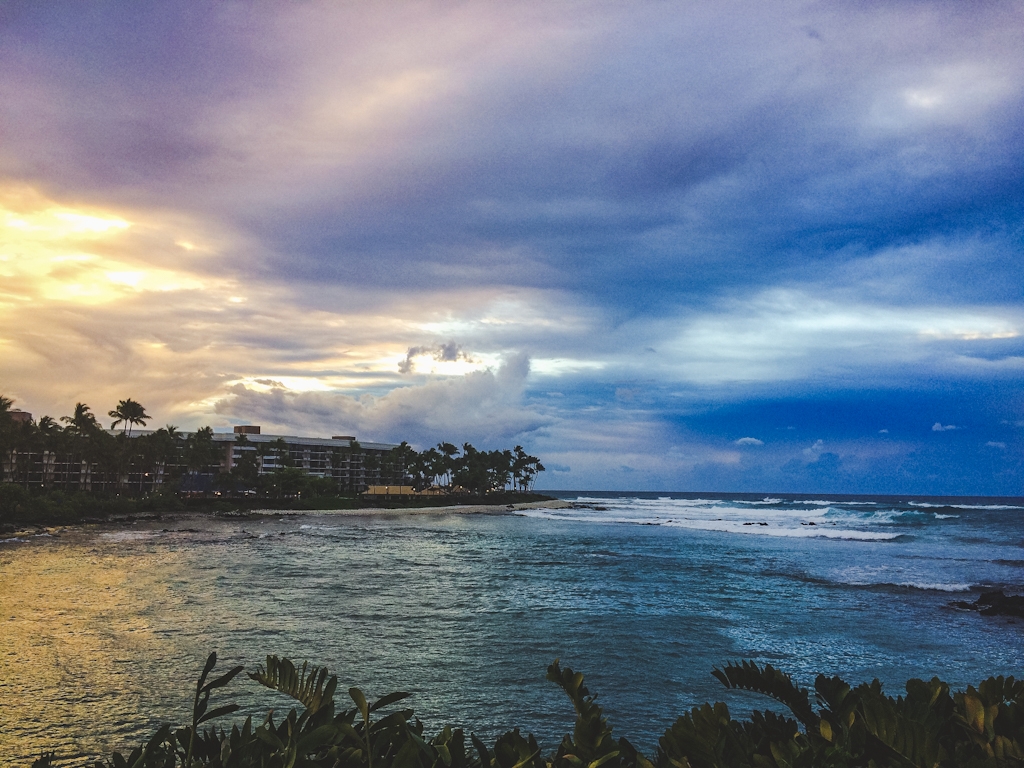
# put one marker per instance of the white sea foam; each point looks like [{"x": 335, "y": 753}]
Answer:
[
  {"x": 759, "y": 521},
  {"x": 927, "y": 505},
  {"x": 925, "y": 585},
  {"x": 802, "y": 532},
  {"x": 860, "y": 520},
  {"x": 937, "y": 587},
  {"x": 129, "y": 535}
]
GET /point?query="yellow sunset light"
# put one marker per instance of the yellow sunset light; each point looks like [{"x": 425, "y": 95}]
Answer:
[
  {"x": 59, "y": 223},
  {"x": 54, "y": 252}
]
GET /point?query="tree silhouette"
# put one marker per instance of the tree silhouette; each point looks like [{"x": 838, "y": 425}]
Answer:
[
  {"x": 129, "y": 413},
  {"x": 83, "y": 423},
  {"x": 245, "y": 469}
]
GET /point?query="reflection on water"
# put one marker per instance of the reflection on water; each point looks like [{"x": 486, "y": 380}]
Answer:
[
  {"x": 75, "y": 624},
  {"x": 105, "y": 630}
]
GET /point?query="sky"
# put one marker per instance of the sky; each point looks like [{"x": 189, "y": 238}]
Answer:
[{"x": 733, "y": 246}]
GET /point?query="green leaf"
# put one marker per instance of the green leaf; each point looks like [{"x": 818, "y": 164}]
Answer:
[
  {"x": 224, "y": 679},
  {"x": 481, "y": 748},
  {"x": 601, "y": 761},
  {"x": 391, "y": 698},
  {"x": 219, "y": 712},
  {"x": 317, "y": 738},
  {"x": 770, "y": 682},
  {"x": 310, "y": 686},
  {"x": 360, "y": 700}
]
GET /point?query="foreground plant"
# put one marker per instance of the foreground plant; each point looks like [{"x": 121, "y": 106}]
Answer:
[{"x": 981, "y": 727}]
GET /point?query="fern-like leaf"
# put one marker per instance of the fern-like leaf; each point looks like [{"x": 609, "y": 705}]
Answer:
[
  {"x": 771, "y": 682},
  {"x": 309, "y": 685}
]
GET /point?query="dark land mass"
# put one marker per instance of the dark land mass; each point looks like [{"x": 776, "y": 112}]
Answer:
[{"x": 21, "y": 508}]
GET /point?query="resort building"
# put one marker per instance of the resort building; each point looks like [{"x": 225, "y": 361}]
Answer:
[
  {"x": 353, "y": 465},
  {"x": 203, "y": 462}
]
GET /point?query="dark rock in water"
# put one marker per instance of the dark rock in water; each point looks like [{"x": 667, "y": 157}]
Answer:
[{"x": 996, "y": 603}]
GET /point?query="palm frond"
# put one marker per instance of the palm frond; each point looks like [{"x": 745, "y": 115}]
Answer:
[{"x": 310, "y": 686}]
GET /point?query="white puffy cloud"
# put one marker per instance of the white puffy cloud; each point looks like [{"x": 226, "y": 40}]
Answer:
[
  {"x": 749, "y": 441},
  {"x": 483, "y": 407},
  {"x": 815, "y": 449},
  {"x": 939, "y": 427}
]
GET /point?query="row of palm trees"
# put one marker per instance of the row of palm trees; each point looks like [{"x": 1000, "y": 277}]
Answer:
[
  {"x": 77, "y": 453},
  {"x": 470, "y": 470}
]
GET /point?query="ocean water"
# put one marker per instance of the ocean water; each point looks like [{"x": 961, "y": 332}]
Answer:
[{"x": 104, "y": 629}]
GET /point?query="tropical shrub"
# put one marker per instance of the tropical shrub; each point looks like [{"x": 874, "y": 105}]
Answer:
[{"x": 862, "y": 726}]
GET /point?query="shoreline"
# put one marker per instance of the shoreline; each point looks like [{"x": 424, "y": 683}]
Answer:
[
  {"x": 455, "y": 509},
  {"x": 252, "y": 514}
]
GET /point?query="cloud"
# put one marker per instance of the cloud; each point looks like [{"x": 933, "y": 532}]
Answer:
[
  {"x": 815, "y": 449},
  {"x": 938, "y": 427},
  {"x": 995, "y": 444},
  {"x": 749, "y": 441},
  {"x": 483, "y": 407},
  {"x": 449, "y": 352},
  {"x": 193, "y": 215}
]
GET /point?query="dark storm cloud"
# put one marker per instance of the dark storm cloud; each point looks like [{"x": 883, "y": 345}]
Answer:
[
  {"x": 784, "y": 201},
  {"x": 658, "y": 150}
]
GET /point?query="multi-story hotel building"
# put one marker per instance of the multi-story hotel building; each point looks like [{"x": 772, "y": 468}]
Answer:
[{"x": 354, "y": 466}]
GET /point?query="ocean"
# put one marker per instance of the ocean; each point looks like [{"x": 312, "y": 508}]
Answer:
[{"x": 104, "y": 629}]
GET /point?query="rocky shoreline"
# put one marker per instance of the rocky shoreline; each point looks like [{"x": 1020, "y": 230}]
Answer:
[{"x": 11, "y": 532}]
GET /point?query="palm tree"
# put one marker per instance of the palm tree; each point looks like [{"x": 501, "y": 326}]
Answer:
[
  {"x": 81, "y": 427},
  {"x": 129, "y": 413},
  {"x": 448, "y": 463},
  {"x": 245, "y": 469},
  {"x": 165, "y": 447},
  {"x": 402, "y": 459},
  {"x": 200, "y": 451},
  {"x": 50, "y": 437},
  {"x": 6, "y": 434},
  {"x": 525, "y": 469},
  {"x": 83, "y": 423}
]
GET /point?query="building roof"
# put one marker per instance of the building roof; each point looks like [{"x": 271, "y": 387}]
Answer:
[{"x": 230, "y": 437}]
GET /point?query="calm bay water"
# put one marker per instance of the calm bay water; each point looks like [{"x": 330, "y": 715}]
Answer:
[{"x": 103, "y": 630}]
